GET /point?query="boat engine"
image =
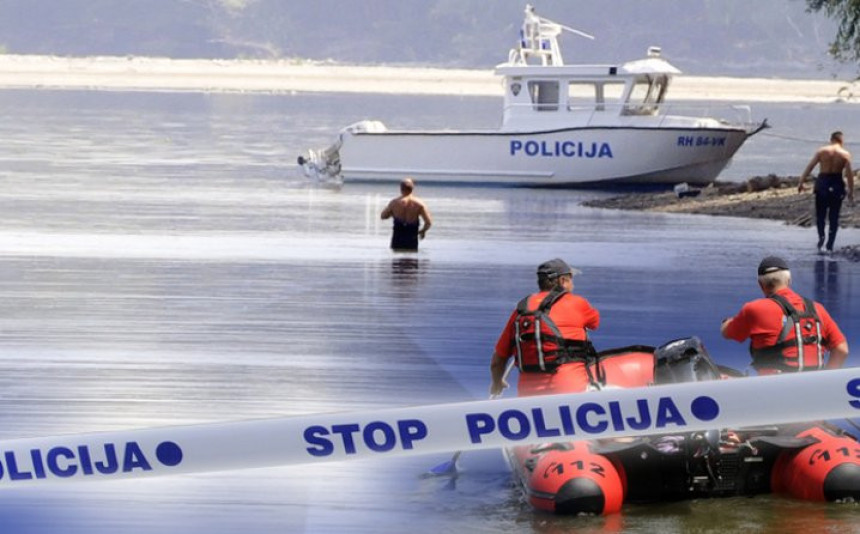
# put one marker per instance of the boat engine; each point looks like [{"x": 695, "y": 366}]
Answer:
[
  {"x": 684, "y": 360},
  {"x": 324, "y": 165}
]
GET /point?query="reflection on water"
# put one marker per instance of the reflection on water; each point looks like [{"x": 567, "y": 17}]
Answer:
[
  {"x": 405, "y": 270},
  {"x": 827, "y": 289},
  {"x": 160, "y": 264}
]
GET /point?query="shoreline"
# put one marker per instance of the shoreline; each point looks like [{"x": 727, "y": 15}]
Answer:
[
  {"x": 770, "y": 197},
  {"x": 112, "y": 73},
  {"x": 763, "y": 197}
]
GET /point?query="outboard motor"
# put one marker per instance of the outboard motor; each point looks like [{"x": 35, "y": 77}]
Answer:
[{"x": 684, "y": 360}]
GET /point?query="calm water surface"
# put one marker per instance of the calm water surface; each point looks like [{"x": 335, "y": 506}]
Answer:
[{"x": 162, "y": 262}]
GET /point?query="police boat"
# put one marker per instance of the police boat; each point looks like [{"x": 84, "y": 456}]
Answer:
[
  {"x": 814, "y": 461},
  {"x": 562, "y": 126}
]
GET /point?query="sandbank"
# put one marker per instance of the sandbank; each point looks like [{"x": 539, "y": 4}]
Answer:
[{"x": 285, "y": 76}]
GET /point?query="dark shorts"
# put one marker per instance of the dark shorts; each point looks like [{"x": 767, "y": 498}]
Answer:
[{"x": 404, "y": 235}]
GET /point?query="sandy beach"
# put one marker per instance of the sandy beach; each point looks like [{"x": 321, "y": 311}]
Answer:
[{"x": 162, "y": 74}]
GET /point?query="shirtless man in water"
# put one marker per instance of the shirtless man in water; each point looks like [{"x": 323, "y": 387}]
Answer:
[
  {"x": 406, "y": 210},
  {"x": 830, "y": 187}
]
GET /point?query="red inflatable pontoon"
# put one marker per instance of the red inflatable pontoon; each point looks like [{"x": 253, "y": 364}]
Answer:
[{"x": 811, "y": 461}]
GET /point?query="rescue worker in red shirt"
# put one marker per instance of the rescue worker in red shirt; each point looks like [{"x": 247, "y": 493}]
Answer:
[
  {"x": 548, "y": 336},
  {"x": 783, "y": 325}
]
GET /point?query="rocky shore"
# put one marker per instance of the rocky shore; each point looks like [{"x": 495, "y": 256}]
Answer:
[{"x": 762, "y": 197}]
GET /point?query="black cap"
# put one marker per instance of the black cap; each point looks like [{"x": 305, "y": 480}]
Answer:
[
  {"x": 555, "y": 268},
  {"x": 771, "y": 264}
]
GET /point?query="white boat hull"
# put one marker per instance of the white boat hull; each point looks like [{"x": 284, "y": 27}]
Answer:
[{"x": 558, "y": 158}]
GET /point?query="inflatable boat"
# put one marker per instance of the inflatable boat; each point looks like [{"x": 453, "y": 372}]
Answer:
[{"x": 814, "y": 461}]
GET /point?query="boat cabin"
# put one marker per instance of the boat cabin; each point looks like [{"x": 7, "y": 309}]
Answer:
[
  {"x": 535, "y": 93},
  {"x": 539, "y": 87}
]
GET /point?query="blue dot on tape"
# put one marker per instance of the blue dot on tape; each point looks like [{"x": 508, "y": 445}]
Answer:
[
  {"x": 705, "y": 408},
  {"x": 168, "y": 453}
]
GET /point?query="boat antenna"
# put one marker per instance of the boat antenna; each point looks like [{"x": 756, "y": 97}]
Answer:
[{"x": 539, "y": 39}]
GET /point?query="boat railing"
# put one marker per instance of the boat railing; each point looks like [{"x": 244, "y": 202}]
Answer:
[
  {"x": 539, "y": 40},
  {"x": 661, "y": 115},
  {"x": 734, "y": 114}
]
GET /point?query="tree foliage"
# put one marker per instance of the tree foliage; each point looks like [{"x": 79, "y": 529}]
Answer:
[{"x": 846, "y": 45}]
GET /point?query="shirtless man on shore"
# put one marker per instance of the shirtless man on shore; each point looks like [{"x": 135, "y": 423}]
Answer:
[
  {"x": 407, "y": 209},
  {"x": 830, "y": 187}
]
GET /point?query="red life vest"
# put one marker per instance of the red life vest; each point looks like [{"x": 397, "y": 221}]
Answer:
[
  {"x": 540, "y": 345},
  {"x": 800, "y": 335}
]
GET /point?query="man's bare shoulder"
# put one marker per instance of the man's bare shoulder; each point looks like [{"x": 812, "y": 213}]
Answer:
[{"x": 833, "y": 156}]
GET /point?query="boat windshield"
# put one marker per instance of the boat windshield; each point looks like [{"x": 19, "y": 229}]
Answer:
[{"x": 646, "y": 95}]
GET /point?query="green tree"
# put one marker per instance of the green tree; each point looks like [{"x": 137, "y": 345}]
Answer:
[{"x": 846, "y": 46}]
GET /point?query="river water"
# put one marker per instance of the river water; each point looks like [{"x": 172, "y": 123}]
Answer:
[{"x": 164, "y": 262}]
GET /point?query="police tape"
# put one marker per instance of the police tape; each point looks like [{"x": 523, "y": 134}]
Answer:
[{"x": 429, "y": 429}]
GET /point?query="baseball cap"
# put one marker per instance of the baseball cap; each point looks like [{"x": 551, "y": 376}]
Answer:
[
  {"x": 771, "y": 264},
  {"x": 555, "y": 268}
]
